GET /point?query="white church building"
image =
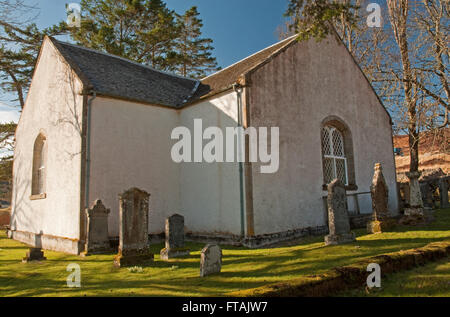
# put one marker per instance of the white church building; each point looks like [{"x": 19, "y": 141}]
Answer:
[{"x": 95, "y": 125}]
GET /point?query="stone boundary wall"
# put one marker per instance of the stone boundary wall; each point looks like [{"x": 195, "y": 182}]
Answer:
[{"x": 350, "y": 276}]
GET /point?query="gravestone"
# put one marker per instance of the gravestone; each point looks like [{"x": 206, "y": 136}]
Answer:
[
  {"x": 379, "y": 191},
  {"x": 415, "y": 197},
  {"x": 210, "y": 260},
  {"x": 133, "y": 229},
  {"x": 97, "y": 239},
  {"x": 338, "y": 220},
  {"x": 404, "y": 194},
  {"x": 174, "y": 238},
  {"x": 443, "y": 192},
  {"x": 427, "y": 195},
  {"x": 34, "y": 254}
]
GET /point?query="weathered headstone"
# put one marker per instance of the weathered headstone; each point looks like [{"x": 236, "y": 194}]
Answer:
[
  {"x": 97, "y": 239},
  {"x": 211, "y": 260},
  {"x": 338, "y": 220},
  {"x": 427, "y": 195},
  {"x": 133, "y": 229},
  {"x": 404, "y": 194},
  {"x": 380, "y": 197},
  {"x": 174, "y": 238},
  {"x": 415, "y": 197},
  {"x": 443, "y": 192},
  {"x": 34, "y": 254}
]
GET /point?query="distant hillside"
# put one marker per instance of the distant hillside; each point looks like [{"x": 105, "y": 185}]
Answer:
[{"x": 434, "y": 151}]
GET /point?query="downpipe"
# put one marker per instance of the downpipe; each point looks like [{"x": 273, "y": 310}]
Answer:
[{"x": 238, "y": 89}]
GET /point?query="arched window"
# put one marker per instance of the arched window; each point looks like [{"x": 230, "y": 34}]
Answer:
[
  {"x": 337, "y": 153},
  {"x": 39, "y": 165},
  {"x": 335, "y": 162}
]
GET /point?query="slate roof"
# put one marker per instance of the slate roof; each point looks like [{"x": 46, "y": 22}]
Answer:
[
  {"x": 226, "y": 77},
  {"x": 118, "y": 77}
]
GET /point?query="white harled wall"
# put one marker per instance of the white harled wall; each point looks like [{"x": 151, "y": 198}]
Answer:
[
  {"x": 209, "y": 192},
  {"x": 297, "y": 91},
  {"x": 54, "y": 107},
  {"x": 131, "y": 147}
]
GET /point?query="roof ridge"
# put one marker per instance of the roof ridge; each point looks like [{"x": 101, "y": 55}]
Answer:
[
  {"x": 287, "y": 40},
  {"x": 124, "y": 59}
]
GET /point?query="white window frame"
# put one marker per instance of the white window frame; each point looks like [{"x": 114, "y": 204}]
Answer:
[
  {"x": 333, "y": 157},
  {"x": 41, "y": 170},
  {"x": 39, "y": 174}
]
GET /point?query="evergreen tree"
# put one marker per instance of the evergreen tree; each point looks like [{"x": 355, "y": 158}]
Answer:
[
  {"x": 140, "y": 30},
  {"x": 194, "y": 53},
  {"x": 315, "y": 18}
]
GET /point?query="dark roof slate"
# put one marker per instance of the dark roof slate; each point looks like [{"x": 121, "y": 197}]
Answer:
[{"x": 118, "y": 77}]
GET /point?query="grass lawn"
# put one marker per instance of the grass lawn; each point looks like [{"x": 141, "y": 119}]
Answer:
[
  {"x": 242, "y": 268},
  {"x": 430, "y": 280}
]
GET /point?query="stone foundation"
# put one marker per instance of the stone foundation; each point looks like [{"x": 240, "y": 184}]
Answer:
[
  {"x": 254, "y": 242},
  {"x": 47, "y": 242},
  {"x": 334, "y": 239},
  {"x": 72, "y": 246},
  {"x": 167, "y": 254},
  {"x": 271, "y": 238},
  {"x": 359, "y": 221},
  {"x": 417, "y": 211}
]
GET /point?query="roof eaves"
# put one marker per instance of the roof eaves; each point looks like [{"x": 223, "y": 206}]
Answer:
[
  {"x": 193, "y": 91},
  {"x": 208, "y": 95},
  {"x": 137, "y": 100}
]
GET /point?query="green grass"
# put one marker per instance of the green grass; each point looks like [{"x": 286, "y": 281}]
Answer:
[
  {"x": 429, "y": 280},
  {"x": 242, "y": 268}
]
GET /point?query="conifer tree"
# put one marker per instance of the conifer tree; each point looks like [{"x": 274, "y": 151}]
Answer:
[
  {"x": 140, "y": 30},
  {"x": 194, "y": 53}
]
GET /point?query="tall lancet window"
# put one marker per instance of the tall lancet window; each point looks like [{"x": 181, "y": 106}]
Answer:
[
  {"x": 39, "y": 165},
  {"x": 335, "y": 161}
]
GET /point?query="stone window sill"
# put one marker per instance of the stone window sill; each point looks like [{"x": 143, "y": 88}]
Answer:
[
  {"x": 38, "y": 196},
  {"x": 347, "y": 187}
]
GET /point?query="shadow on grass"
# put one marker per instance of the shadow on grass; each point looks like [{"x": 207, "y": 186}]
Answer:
[{"x": 242, "y": 268}]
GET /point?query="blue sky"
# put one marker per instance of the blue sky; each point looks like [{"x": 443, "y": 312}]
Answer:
[{"x": 238, "y": 28}]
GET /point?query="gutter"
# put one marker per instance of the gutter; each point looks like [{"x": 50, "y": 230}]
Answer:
[{"x": 238, "y": 89}]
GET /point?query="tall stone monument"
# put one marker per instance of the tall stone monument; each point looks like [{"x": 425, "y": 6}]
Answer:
[
  {"x": 97, "y": 239},
  {"x": 338, "y": 221},
  {"x": 415, "y": 197},
  {"x": 381, "y": 220},
  {"x": 174, "y": 238},
  {"x": 133, "y": 229}
]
